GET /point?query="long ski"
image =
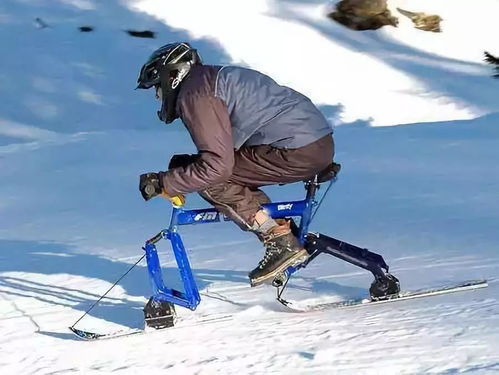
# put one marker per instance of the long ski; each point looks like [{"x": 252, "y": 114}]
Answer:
[{"x": 405, "y": 295}]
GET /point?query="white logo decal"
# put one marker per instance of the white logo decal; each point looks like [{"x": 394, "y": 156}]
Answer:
[
  {"x": 180, "y": 76},
  {"x": 281, "y": 207},
  {"x": 175, "y": 83},
  {"x": 206, "y": 216}
]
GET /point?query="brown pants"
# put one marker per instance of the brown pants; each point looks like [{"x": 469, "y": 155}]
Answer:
[{"x": 239, "y": 197}]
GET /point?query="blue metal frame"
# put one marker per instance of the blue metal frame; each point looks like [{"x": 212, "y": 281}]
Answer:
[{"x": 190, "y": 298}]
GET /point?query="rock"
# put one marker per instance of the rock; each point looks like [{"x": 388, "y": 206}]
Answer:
[
  {"x": 423, "y": 21},
  {"x": 141, "y": 34},
  {"x": 86, "y": 29},
  {"x": 363, "y": 14},
  {"x": 39, "y": 23}
]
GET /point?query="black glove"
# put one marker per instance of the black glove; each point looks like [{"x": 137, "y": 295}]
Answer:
[
  {"x": 150, "y": 185},
  {"x": 182, "y": 160}
]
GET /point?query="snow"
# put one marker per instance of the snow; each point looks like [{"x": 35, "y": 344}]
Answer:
[
  {"x": 74, "y": 136},
  {"x": 299, "y": 46}
]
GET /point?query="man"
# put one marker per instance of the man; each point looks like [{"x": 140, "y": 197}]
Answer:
[{"x": 249, "y": 132}]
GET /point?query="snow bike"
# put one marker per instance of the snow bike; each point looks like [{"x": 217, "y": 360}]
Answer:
[{"x": 160, "y": 311}]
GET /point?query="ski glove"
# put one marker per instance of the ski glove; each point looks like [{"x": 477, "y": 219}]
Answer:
[
  {"x": 150, "y": 186},
  {"x": 182, "y": 160}
]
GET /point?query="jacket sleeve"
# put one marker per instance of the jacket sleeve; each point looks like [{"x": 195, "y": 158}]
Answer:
[{"x": 207, "y": 120}]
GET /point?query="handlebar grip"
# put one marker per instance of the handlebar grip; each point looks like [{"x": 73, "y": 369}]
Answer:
[{"x": 177, "y": 200}]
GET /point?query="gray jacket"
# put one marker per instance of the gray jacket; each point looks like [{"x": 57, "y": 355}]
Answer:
[
  {"x": 265, "y": 113},
  {"x": 226, "y": 108}
]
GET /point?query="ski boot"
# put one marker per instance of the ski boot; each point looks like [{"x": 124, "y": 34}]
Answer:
[
  {"x": 282, "y": 251},
  {"x": 159, "y": 314},
  {"x": 384, "y": 288}
]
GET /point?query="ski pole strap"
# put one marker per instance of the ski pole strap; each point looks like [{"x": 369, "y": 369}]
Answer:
[{"x": 117, "y": 281}]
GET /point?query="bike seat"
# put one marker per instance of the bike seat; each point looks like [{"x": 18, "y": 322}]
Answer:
[{"x": 327, "y": 174}]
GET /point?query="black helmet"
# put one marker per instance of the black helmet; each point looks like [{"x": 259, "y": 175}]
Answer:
[{"x": 167, "y": 67}]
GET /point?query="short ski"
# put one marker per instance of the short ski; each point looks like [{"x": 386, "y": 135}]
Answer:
[
  {"x": 92, "y": 336},
  {"x": 405, "y": 295}
]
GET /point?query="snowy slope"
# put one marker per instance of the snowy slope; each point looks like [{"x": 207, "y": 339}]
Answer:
[
  {"x": 299, "y": 46},
  {"x": 74, "y": 136}
]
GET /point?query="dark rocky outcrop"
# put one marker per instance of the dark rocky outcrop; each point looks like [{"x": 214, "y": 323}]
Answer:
[{"x": 363, "y": 14}]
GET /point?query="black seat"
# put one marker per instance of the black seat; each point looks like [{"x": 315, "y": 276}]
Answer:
[{"x": 327, "y": 174}]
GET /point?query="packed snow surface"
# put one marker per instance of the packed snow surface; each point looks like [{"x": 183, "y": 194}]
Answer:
[{"x": 74, "y": 136}]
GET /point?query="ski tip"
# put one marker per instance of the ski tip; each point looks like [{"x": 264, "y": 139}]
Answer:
[
  {"x": 474, "y": 284},
  {"x": 482, "y": 283},
  {"x": 85, "y": 335}
]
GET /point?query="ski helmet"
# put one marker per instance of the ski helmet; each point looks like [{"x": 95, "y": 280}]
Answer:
[{"x": 166, "y": 68}]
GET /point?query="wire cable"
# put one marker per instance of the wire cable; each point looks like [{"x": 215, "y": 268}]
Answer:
[
  {"x": 117, "y": 281},
  {"x": 322, "y": 199}
]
